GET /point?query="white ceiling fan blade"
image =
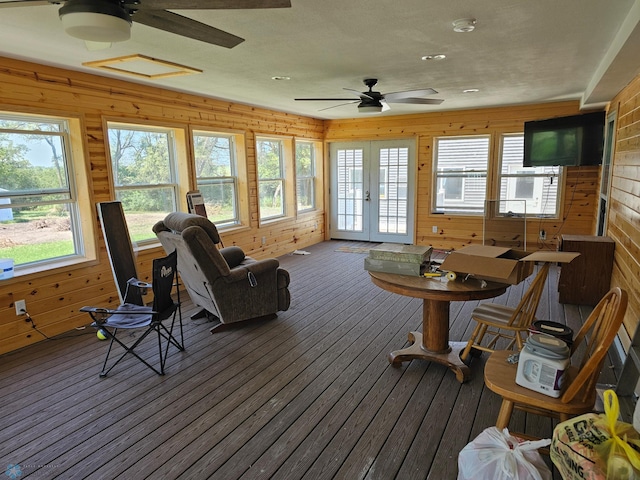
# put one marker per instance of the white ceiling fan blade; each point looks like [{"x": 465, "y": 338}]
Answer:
[
  {"x": 385, "y": 105},
  {"x": 417, "y": 101},
  {"x": 360, "y": 94},
  {"x": 339, "y": 105},
  {"x": 409, "y": 93}
]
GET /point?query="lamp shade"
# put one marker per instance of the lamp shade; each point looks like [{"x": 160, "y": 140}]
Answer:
[
  {"x": 96, "y": 20},
  {"x": 96, "y": 27},
  {"x": 370, "y": 108}
]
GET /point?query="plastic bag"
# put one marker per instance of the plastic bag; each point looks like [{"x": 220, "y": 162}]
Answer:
[
  {"x": 597, "y": 446},
  {"x": 497, "y": 455}
]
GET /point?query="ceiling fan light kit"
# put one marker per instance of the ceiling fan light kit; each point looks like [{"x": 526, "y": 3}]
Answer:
[
  {"x": 96, "y": 21},
  {"x": 369, "y": 108}
]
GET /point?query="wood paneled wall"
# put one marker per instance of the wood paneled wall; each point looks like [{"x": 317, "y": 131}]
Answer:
[
  {"x": 623, "y": 224},
  {"x": 53, "y": 297},
  {"x": 580, "y": 183}
]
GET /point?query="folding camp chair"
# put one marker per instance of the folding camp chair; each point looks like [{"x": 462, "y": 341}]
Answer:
[{"x": 131, "y": 316}]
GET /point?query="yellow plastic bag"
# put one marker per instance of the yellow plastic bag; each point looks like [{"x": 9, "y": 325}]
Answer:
[{"x": 594, "y": 446}]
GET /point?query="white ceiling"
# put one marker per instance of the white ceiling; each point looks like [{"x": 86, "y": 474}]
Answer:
[{"x": 520, "y": 52}]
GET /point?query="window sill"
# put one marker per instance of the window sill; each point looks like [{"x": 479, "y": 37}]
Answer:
[{"x": 43, "y": 270}]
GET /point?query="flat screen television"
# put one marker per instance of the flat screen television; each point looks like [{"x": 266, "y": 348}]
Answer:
[{"x": 567, "y": 141}]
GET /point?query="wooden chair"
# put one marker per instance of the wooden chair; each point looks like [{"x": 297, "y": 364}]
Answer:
[
  {"x": 588, "y": 352},
  {"x": 495, "y": 321}
]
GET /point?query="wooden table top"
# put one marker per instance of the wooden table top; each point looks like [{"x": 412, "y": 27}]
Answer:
[{"x": 437, "y": 288}]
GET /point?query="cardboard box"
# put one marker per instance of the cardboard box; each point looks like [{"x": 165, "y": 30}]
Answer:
[
  {"x": 397, "y": 252},
  {"x": 500, "y": 264},
  {"x": 399, "y": 268}
]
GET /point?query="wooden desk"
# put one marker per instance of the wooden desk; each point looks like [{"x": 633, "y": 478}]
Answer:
[{"x": 433, "y": 342}]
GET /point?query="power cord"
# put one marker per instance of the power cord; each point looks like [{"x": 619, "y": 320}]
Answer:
[{"x": 33, "y": 325}]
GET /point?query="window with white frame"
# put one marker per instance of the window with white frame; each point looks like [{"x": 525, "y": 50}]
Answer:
[
  {"x": 144, "y": 176},
  {"x": 460, "y": 174},
  {"x": 305, "y": 176},
  {"x": 40, "y": 216},
  {"x": 532, "y": 188},
  {"x": 216, "y": 175},
  {"x": 271, "y": 177}
]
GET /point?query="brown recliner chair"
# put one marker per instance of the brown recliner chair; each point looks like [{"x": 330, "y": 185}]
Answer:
[{"x": 224, "y": 282}]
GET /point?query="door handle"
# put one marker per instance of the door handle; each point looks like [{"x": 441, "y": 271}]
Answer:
[{"x": 367, "y": 197}]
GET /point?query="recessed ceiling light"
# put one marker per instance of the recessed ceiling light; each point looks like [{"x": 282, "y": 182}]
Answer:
[
  {"x": 280, "y": 77},
  {"x": 437, "y": 56},
  {"x": 471, "y": 90},
  {"x": 464, "y": 25}
]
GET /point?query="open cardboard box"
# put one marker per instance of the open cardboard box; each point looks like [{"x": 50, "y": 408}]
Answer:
[{"x": 500, "y": 264}]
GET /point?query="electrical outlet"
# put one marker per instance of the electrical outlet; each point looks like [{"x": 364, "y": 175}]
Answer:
[
  {"x": 543, "y": 235},
  {"x": 264, "y": 241},
  {"x": 434, "y": 229},
  {"x": 21, "y": 307}
]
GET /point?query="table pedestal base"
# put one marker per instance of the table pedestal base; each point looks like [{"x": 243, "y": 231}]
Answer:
[{"x": 449, "y": 358}]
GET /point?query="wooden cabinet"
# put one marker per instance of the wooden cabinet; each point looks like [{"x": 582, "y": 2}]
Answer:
[{"x": 585, "y": 280}]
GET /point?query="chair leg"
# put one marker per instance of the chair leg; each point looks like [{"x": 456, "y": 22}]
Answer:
[
  {"x": 112, "y": 337},
  {"x": 171, "y": 340},
  {"x": 483, "y": 331},
  {"x": 162, "y": 360},
  {"x": 504, "y": 415},
  {"x": 467, "y": 350},
  {"x": 128, "y": 350}
]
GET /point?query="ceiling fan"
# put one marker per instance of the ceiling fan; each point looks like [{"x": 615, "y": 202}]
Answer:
[
  {"x": 376, "y": 102},
  {"x": 110, "y": 20}
]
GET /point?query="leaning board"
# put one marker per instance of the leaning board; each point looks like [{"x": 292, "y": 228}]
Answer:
[{"x": 121, "y": 258}]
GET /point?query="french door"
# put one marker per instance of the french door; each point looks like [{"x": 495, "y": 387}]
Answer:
[{"x": 373, "y": 191}]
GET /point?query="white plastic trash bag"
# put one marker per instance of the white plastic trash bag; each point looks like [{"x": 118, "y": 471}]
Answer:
[{"x": 497, "y": 455}]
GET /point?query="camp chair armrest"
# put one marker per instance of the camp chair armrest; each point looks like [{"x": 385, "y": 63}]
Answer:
[
  {"x": 109, "y": 311},
  {"x": 139, "y": 283}
]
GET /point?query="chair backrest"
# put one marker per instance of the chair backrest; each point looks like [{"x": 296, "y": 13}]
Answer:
[
  {"x": 525, "y": 312},
  {"x": 199, "y": 259},
  {"x": 592, "y": 343},
  {"x": 164, "y": 278}
]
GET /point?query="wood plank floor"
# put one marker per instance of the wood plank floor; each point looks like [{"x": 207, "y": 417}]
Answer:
[{"x": 308, "y": 395}]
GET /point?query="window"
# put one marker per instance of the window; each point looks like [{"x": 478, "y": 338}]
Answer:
[
  {"x": 40, "y": 183},
  {"x": 393, "y": 187},
  {"x": 532, "y": 188},
  {"x": 451, "y": 183},
  {"x": 305, "y": 176},
  {"x": 460, "y": 179},
  {"x": 271, "y": 178},
  {"x": 144, "y": 176},
  {"x": 217, "y": 176}
]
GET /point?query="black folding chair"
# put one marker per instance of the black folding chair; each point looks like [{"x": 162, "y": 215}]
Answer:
[{"x": 131, "y": 316}]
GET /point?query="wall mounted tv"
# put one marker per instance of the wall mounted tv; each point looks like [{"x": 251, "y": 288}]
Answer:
[{"x": 567, "y": 141}]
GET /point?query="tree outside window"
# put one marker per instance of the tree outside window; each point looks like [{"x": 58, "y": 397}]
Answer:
[
  {"x": 38, "y": 199},
  {"x": 305, "y": 176},
  {"x": 271, "y": 177},
  {"x": 144, "y": 178},
  {"x": 216, "y": 177}
]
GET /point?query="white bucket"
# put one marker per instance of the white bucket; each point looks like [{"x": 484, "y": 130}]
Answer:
[{"x": 6, "y": 268}]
